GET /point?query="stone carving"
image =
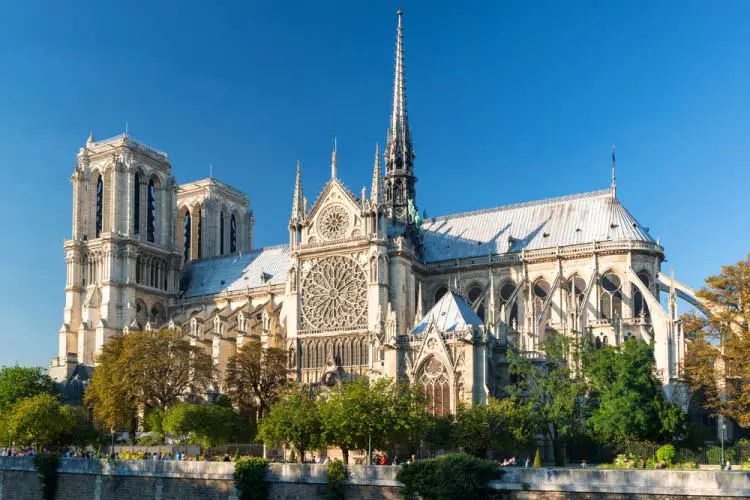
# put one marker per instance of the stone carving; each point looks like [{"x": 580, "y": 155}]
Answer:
[
  {"x": 334, "y": 294},
  {"x": 333, "y": 222}
]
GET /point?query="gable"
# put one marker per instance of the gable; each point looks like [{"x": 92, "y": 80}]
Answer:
[{"x": 336, "y": 215}]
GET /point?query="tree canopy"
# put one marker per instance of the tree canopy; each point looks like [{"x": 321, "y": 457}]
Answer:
[
  {"x": 147, "y": 370},
  {"x": 554, "y": 397},
  {"x": 628, "y": 403},
  {"x": 39, "y": 421},
  {"x": 255, "y": 377},
  {"x": 500, "y": 424},
  {"x": 18, "y": 382},
  {"x": 717, "y": 361},
  {"x": 208, "y": 425},
  {"x": 293, "y": 420}
]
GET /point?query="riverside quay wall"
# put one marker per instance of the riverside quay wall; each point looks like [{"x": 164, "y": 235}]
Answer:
[{"x": 99, "y": 480}]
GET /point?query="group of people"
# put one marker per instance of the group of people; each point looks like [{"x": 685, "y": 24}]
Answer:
[{"x": 509, "y": 462}]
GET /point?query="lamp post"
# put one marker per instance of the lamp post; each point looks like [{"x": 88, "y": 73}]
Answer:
[{"x": 723, "y": 431}]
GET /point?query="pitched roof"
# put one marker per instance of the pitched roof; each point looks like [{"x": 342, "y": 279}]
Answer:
[
  {"x": 237, "y": 272},
  {"x": 450, "y": 313},
  {"x": 569, "y": 220}
]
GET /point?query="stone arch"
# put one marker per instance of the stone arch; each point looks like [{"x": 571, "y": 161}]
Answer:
[
  {"x": 157, "y": 314},
  {"x": 610, "y": 295},
  {"x": 141, "y": 313},
  {"x": 153, "y": 197},
  {"x": 437, "y": 383},
  {"x": 475, "y": 291},
  {"x": 505, "y": 292},
  {"x": 576, "y": 291},
  {"x": 640, "y": 306}
]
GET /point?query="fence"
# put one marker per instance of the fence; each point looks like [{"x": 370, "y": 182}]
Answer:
[{"x": 709, "y": 454}]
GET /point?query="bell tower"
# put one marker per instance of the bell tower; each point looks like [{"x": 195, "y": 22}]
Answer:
[{"x": 399, "y": 152}]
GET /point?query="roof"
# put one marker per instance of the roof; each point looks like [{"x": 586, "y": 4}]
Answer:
[
  {"x": 450, "y": 313},
  {"x": 237, "y": 272},
  {"x": 569, "y": 220}
]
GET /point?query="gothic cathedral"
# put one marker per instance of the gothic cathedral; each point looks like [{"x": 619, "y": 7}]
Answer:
[{"x": 365, "y": 287}]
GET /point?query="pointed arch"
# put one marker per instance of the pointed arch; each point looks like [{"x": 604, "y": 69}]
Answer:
[
  {"x": 99, "y": 205},
  {"x": 435, "y": 381},
  {"x": 232, "y": 234}
]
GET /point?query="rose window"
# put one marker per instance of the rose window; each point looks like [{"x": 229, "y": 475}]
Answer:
[
  {"x": 334, "y": 294},
  {"x": 333, "y": 222}
]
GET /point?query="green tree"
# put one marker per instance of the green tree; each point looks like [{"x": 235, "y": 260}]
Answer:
[
  {"x": 440, "y": 433},
  {"x": 503, "y": 424},
  {"x": 39, "y": 421},
  {"x": 207, "y": 425},
  {"x": 18, "y": 382},
  {"x": 111, "y": 400},
  {"x": 550, "y": 392},
  {"x": 293, "y": 421},
  {"x": 145, "y": 370},
  {"x": 358, "y": 415},
  {"x": 717, "y": 360},
  {"x": 410, "y": 421},
  {"x": 255, "y": 376},
  {"x": 629, "y": 401}
]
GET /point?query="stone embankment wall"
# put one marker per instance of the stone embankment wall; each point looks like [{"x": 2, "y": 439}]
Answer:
[{"x": 99, "y": 480}]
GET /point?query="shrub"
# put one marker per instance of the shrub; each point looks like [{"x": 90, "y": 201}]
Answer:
[
  {"x": 651, "y": 463},
  {"x": 236, "y": 457},
  {"x": 448, "y": 477},
  {"x": 537, "y": 459},
  {"x": 250, "y": 478},
  {"x": 626, "y": 461},
  {"x": 666, "y": 453},
  {"x": 46, "y": 466},
  {"x": 688, "y": 464},
  {"x": 336, "y": 477}
]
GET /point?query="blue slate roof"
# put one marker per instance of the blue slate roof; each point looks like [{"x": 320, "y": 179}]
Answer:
[
  {"x": 569, "y": 220},
  {"x": 450, "y": 313},
  {"x": 236, "y": 272}
]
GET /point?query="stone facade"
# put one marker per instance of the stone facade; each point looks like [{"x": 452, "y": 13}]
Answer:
[{"x": 365, "y": 287}]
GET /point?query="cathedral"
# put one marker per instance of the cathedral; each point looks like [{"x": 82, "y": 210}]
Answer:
[{"x": 364, "y": 287}]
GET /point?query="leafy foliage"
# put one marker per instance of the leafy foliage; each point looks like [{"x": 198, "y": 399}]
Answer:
[
  {"x": 39, "y": 421},
  {"x": 293, "y": 420},
  {"x": 255, "y": 377},
  {"x": 454, "y": 476},
  {"x": 146, "y": 369},
  {"x": 554, "y": 397},
  {"x": 18, "y": 382},
  {"x": 666, "y": 453},
  {"x": 722, "y": 375},
  {"x": 500, "y": 424},
  {"x": 250, "y": 478},
  {"x": 356, "y": 414},
  {"x": 629, "y": 402},
  {"x": 208, "y": 425},
  {"x": 335, "y": 478},
  {"x": 46, "y": 467}
]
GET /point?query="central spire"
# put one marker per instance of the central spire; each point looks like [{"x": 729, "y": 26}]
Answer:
[{"x": 399, "y": 152}]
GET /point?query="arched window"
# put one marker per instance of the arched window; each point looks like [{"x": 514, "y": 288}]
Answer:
[
  {"x": 99, "y": 205},
  {"x": 640, "y": 307},
  {"x": 186, "y": 236},
  {"x": 610, "y": 301},
  {"x": 436, "y": 386},
  {"x": 541, "y": 291},
  {"x": 151, "y": 226},
  {"x": 506, "y": 292},
  {"x": 440, "y": 292},
  {"x": 232, "y": 234},
  {"x": 221, "y": 233},
  {"x": 137, "y": 203},
  {"x": 474, "y": 293},
  {"x": 598, "y": 343},
  {"x": 576, "y": 292}
]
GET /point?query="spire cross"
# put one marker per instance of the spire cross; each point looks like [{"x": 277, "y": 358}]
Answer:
[
  {"x": 333, "y": 160},
  {"x": 614, "y": 184}
]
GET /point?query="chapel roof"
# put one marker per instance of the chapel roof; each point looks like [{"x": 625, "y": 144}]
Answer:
[
  {"x": 261, "y": 267},
  {"x": 568, "y": 220},
  {"x": 450, "y": 313}
]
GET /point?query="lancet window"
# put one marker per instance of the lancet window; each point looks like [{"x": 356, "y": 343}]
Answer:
[
  {"x": 436, "y": 385},
  {"x": 610, "y": 300}
]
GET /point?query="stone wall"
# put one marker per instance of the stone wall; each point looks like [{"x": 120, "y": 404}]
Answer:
[{"x": 99, "y": 480}]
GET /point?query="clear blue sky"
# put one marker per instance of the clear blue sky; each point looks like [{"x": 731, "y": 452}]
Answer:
[{"x": 508, "y": 101}]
